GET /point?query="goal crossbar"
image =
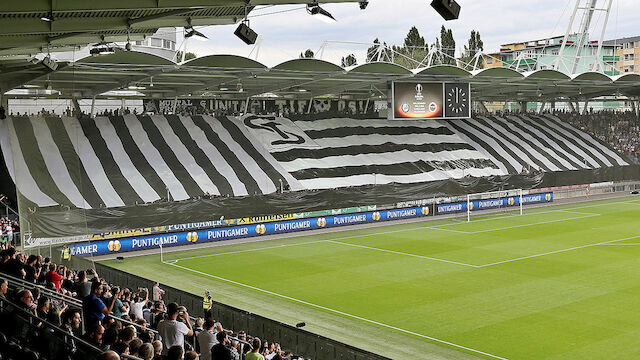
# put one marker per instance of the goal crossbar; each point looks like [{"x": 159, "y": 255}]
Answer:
[{"x": 494, "y": 200}]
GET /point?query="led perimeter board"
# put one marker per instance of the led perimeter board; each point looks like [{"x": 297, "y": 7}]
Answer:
[{"x": 430, "y": 100}]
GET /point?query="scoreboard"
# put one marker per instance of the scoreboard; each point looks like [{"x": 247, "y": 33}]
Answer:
[{"x": 430, "y": 100}]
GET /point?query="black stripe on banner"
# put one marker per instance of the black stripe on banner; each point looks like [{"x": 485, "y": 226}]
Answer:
[
  {"x": 576, "y": 143},
  {"x": 624, "y": 157},
  {"x": 590, "y": 148},
  {"x": 537, "y": 132},
  {"x": 506, "y": 148},
  {"x": 35, "y": 162},
  {"x": 239, "y": 137},
  {"x": 406, "y": 168},
  {"x": 542, "y": 150},
  {"x": 191, "y": 187},
  {"x": 110, "y": 166},
  {"x": 485, "y": 146},
  {"x": 388, "y": 147},
  {"x": 513, "y": 140},
  {"x": 137, "y": 157},
  {"x": 72, "y": 161},
  {"x": 201, "y": 158},
  {"x": 540, "y": 127},
  {"x": 341, "y": 132},
  {"x": 241, "y": 172}
]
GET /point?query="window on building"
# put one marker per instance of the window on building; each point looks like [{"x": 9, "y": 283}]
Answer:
[
  {"x": 555, "y": 52},
  {"x": 155, "y": 42},
  {"x": 637, "y": 68},
  {"x": 489, "y": 60}
]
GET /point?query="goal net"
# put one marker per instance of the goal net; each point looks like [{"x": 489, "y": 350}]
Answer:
[{"x": 495, "y": 203}]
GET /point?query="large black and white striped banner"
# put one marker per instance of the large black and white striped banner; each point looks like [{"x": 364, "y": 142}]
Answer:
[
  {"x": 535, "y": 142},
  {"x": 117, "y": 161}
]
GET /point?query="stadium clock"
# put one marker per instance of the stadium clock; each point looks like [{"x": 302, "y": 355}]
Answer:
[{"x": 456, "y": 100}]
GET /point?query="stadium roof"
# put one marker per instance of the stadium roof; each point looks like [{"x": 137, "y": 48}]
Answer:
[
  {"x": 236, "y": 77},
  {"x": 35, "y": 26}
]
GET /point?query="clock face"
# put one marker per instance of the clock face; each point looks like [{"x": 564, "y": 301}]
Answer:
[{"x": 457, "y": 100}]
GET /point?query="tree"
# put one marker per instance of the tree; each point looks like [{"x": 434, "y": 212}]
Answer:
[
  {"x": 187, "y": 56},
  {"x": 413, "y": 51},
  {"x": 308, "y": 54},
  {"x": 475, "y": 45},
  {"x": 349, "y": 60},
  {"x": 448, "y": 44},
  {"x": 413, "y": 41}
]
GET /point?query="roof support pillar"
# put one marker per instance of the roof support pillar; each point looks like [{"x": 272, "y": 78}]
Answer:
[
  {"x": 542, "y": 105},
  {"x": 571, "y": 106},
  {"x": 523, "y": 106},
  {"x": 246, "y": 105},
  {"x": 175, "y": 104},
  {"x": 93, "y": 105},
  {"x": 482, "y": 107},
  {"x": 584, "y": 110},
  {"x": 76, "y": 107},
  {"x": 311, "y": 102}
]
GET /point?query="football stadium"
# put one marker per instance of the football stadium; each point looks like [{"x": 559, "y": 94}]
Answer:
[{"x": 166, "y": 200}]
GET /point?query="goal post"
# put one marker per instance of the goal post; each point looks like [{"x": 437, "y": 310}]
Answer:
[{"x": 494, "y": 202}]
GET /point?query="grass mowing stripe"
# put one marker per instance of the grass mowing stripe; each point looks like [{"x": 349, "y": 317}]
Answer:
[
  {"x": 339, "y": 312},
  {"x": 249, "y": 250},
  {"x": 402, "y": 253},
  {"x": 532, "y": 224},
  {"x": 559, "y": 251}
]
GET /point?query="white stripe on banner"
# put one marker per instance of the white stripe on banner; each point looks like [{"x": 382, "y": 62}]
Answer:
[
  {"x": 560, "y": 152},
  {"x": 593, "y": 141},
  {"x": 491, "y": 142},
  {"x": 480, "y": 149},
  {"x": 264, "y": 182},
  {"x": 25, "y": 182},
  {"x": 91, "y": 163},
  {"x": 566, "y": 133},
  {"x": 184, "y": 156},
  {"x": 501, "y": 139},
  {"x": 153, "y": 157},
  {"x": 388, "y": 158},
  {"x": 537, "y": 143},
  {"x": 325, "y": 124},
  {"x": 380, "y": 139},
  {"x": 365, "y": 179},
  {"x": 214, "y": 156},
  {"x": 5, "y": 146},
  {"x": 133, "y": 176},
  {"x": 515, "y": 136},
  {"x": 294, "y": 185},
  {"x": 55, "y": 163},
  {"x": 586, "y": 158}
]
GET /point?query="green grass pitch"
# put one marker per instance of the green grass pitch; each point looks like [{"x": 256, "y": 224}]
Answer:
[{"x": 559, "y": 282}]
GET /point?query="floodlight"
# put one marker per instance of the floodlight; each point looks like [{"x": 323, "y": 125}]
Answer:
[
  {"x": 246, "y": 34},
  {"x": 191, "y": 32},
  {"x": 320, "y": 13},
  {"x": 48, "y": 17},
  {"x": 363, "y": 4}
]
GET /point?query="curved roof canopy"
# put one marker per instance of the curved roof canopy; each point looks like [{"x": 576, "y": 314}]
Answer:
[{"x": 237, "y": 77}]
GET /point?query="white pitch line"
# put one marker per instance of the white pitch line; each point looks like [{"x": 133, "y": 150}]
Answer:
[
  {"x": 402, "y": 253},
  {"x": 577, "y": 212},
  {"x": 618, "y": 244},
  {"x": 340, "y": 312},
  {"x": 443, "y": 229},
  {"x": 532, "y": 224},
  {"x": 248, "y": 250},
  {"x": 558, "y": 251}
]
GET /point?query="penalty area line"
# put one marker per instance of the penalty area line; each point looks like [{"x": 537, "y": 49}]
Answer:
[{"x": 338, "y": 312}]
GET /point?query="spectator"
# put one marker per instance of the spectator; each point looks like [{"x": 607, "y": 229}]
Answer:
[
  {"x": 138, "y": 304},
  {"x": 207, "y": 339},
  {"x": 191, "y": 355},
  {"x": 173, "y": 331},
  {"x": 4, "y": 285},
  {"x": 71, "y": 323},
  {"x": 220, "y": 351},
  {"x": 255, "y": 352},
  {"x": 157, "y": 292},
  {"x": 174, "y": 353},
  {"x": 121, "y": 347},
  {"x": 235, "y": 354},
  {"x": 93, "y": 307},
  {"x": 53, "y": 277},
  {"x": 31, "y": 273},
  {"x": 157, "y": 350},
  {"x": 108, "y": 355},
  {"x": 134, "y": 346},
  {"x": 82, "y": 287},
  {"x": 146, "y": 352},
  {"x": 127, "y": 334},
  {"x": 94, "y": 335},
  {"x": 119, "y": 308}
]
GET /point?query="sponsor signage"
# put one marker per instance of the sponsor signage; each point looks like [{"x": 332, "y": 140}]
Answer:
[
  {"x": 189, "y": 237},
  {"x": 494, "y": 203},
  {"x": 430, "y": 100}
]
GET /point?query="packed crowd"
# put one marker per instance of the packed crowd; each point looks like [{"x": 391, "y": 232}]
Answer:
[
  {"x": 8, "y": 231},
  {"x": 119, "y": 322},
  {"x": 621, "y": 130}
]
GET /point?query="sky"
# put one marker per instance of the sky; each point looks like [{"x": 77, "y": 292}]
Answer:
[{"x": 288, "y": 30}]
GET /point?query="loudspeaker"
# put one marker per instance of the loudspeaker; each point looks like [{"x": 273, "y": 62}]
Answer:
[
  {"x": 448, "y": 9},
  {"x": 245, "y": 33}
]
